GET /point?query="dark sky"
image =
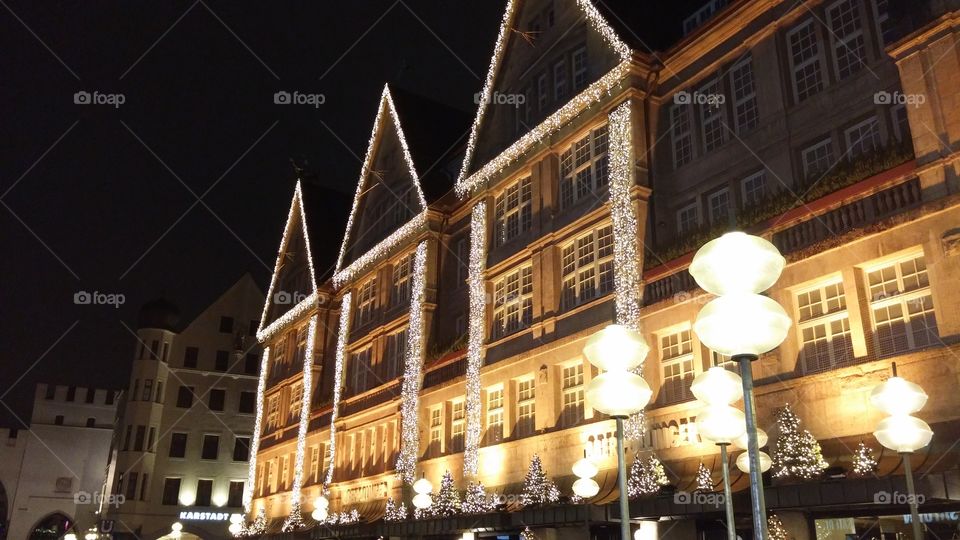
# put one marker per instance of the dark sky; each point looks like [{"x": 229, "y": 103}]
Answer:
[{"x": 186, "y": 185}]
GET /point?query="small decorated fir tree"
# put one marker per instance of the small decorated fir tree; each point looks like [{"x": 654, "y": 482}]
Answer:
[
  {"x": 797, "y": 453},
  {"x": 476, "y": 500},
  {"x": 863, "y": 461},
  {"x": 537, "y": 488},
  {"x": 775, "y": 528},
  {"x": 635, "y": 426},
  {"x": 646, "y": 477},
  {"x": 394, "y": 512},
  {"x": 527, "y": 534},
  {"x": 447, "y": 501},
  {"x": 294, "y": 521},
  {"x": 259, "y": 524},
  {"x": 704, "y": 479}
]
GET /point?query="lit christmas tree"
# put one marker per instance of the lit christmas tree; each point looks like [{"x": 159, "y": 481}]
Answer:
[
  {"x": 704, "y": 479},
  {"x": 294, "y": 521},
  {"x": 635, "y": 426},
  {"x": 476, "y": 500},
  {"x": 775, "y": 528},
  {"x": 797, "y": 453},
  {"x": 537, "y": 488},
  {"x": 447, "y": 501},
  {"x": 646, "y": 477},
  {"x": 863, "y": 461},
  {"x": 394, "y": 512},
  {"x": 527, "y": 534},
  {"x": 259, "y": 524}
]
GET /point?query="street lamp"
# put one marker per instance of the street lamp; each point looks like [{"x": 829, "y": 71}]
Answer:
[
  {"x": 901, "y": 432},
  {"x": 618, "y": 391},
  {"x": 321, "y": 507},
  {"x": 721, "y": 423},
  {"x": 742, "y": 324},
  {"x": 236, "y": 524},
  {"x": 422, "y": 488},
  {"x": 585, "y": 470}
]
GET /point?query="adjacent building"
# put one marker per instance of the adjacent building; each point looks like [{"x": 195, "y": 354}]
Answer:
[
  {"x": 183, "y": 440},
  {"x": 450, "y": 336}
]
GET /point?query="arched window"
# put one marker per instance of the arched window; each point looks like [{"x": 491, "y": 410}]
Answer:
[{"x": 52, "y": 527}]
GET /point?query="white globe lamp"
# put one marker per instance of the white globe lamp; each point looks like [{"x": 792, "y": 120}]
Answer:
[
  {"x": 738, "y": 324},
  {"x": 743, "y": 462},
  {"x": 586, "y": 487},
  {"x": 618, "y": 393},
  {"x": 737, "y": 263},
  {"x": 721, "y": 424},
  {"x": 717, "y": 386}
]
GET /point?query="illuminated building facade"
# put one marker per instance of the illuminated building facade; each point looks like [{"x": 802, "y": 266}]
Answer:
[{"x": 450, "y": 336}]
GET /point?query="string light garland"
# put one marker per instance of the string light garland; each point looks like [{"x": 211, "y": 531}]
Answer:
[
  {"x": 296, "y": 204},
  {"x": 305, "y": 403},
  {"x": 386, "y": 106},
  {"x": 294, "y": 521},
  {"x": 863, "y": 460},
  {"x": 775, "y": 528},
  {"x": 627, "y": 270},
  {"x": 537, "y": 488},
  {"x": 395, "y": 512},
  {"x": 339, "y": 358},
  {"x": 478, "y": 251},
  {"x": 255, "y": 442},
  {"x": 646, "y": 477},
  {"x": 553, "y": 122},
  {"x": 704, "y": 479},
  {"x": 413, "y": 368},
  {"x": 476, "y": 500},
  {"x": 382, "y": 249},
  {"x": 797, "y": 453}
]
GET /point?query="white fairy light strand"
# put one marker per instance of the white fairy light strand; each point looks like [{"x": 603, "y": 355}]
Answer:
[
  {"x": 302, "y": 308},
  {"x": 593, "y": 92},
  {"x": 304, "y": 411},
  {"x": 386, "y": 105},
  {"x": 297, "y": 203},
  {"x": 413, "y": 371},
  {"x": 343, "y": 334},
  {"x": 627, "y": 271},
  {"x": 380, "y": 250},
  {"x": 255, "y": 442},
  {"x": 478, "y": 251}
]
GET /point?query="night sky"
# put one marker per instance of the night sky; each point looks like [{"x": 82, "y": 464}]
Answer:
[{"x": 185, "y": 186}]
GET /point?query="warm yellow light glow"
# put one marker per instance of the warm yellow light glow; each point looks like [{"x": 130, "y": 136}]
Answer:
[
  {"x": 717, "y": 386},
  {"x": 187, "y": 497},
  {"x": 422, "y": 500},
  {"x": 469, "y": 536},
  {"x": 69, "y": 536},
  {"x": 219, "y": 499},
  {"x": 615, "y": 348},
  {"x": 319, "y": 514},
  {"x": 321, "y": 502},
  {"x": 235, "y": 528},
  {"x": 618, "y": 393},
  {"x": 176, "y": 527},
  {"x": 585, "y": 468},
  {"x": 422, "y": 486},
  {"x": 737, "y": 263},
  {"x": 898, "y": 396},
  {"x": 903, "y": 433},
  {"x": 743, "y": 462},
  {"x": 741, "y": 441},
  {"x": 742, "y": 324},
  {"x": 647, "y": 531},
  {"x": 586, "y": 487},
  {"x": 721, "y": 424},
  {"x": 236, "y": 518}
]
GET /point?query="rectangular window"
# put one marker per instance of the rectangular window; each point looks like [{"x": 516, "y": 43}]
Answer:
[
  {"x": 463, "y": 260},
  {"x": 235, "y": 495},
  {"x": 251, "y": 364},
  {"x": 127, "y": 438},
  {"x": 147, "y": 390},
  {"x": 543, "y": 93},
  {"x": 71, "y": 393},
  {"x": 718, "y": 203},
  {"x": 817, "y": 159},
  {"x": 190, "y": 356},
  {"x": 223, "y": 361},
  {"x": 560, "y": 81},
  {"x": 159, "y": 398},
  {"x": 494, "y": 432},
  {"x": 863, "y": 138},
  {"x": 884, "y": 22},
  {"x": 366, "y": 300},
  {"x": 526, "y": 407},
  {"x": 457, "y": 426},
  {"x": 226, "y": 324},
  {"x": 211, "y": 447},
  {"x": 571, "y": 384},
  {"x": 746, "y": 114},
  {"x": 436, "y": 432},
  {"x": 584, "y": 168},
  {"x": 513, "y": 211},
  {"x": 143, "y": 487},
  {"x": 394, "y": 354},
  {"x": 185, "y": 397},
  {"x": 579, "y": 69},
  {"x": 247, "y": 402},
  {"x": 278, "y": 357},
  {"x": 901, "y": 124},
  {"x": 901, "y": 305},
  {"x": 315, "y": 463},
  {"x": 91, "y": 395},
  {"x": 273, "y": 411},
  {"x": 587, "y": 267},
  {"x": 680, "y": 134},
  {"x": 216, "y": 399},
  {"x": 847, "y": 33},
  {"x": 753, "y": 189},
  {"x": 204, "y": 491},
  {"x": 171, "y": 491},
  {"x": 252, "y": 327},
  {"x": 300, "y": 352},
  {"x": 711, "y": 117},
  {"x": 359, "y": 367},
  {"x": 805, "y": 61},
  {"x": 132, "y": 479},
  {"x": 151, "y": 437},
  {"x": 178, "y": 445},
  {"x": 688, "y": 219},
  {"x": 296, "y": 400},
  {"x": 138, "y": 439},
  {"x": 676, "y": 360},
  {"x": 513, "y": 302},
  {"x": 824, "y": 328},
  {"x": 241, "y": 448},
  {"x": 402, "y": 275}
]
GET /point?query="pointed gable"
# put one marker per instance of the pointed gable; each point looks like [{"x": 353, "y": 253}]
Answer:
[
  {"x": 560, "y": 56},
  {"x": 389, "y": 202},
  {"x": 293, "y": 284}
]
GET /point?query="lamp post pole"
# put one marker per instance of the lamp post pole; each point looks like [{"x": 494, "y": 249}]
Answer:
[
  {"x": 912, "y": 498},
  {"x": 758, "y": 506},
  {"x": 727, "y": 497},
  {"x": 622, "y": 483}
]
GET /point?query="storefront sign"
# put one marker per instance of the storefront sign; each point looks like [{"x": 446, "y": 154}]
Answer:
[{"x": 204, "y": 516}]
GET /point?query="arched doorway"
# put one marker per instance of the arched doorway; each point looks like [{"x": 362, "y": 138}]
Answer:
[{"x": 51, "y": 527}]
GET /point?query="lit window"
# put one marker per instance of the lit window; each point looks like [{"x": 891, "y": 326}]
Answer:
[
  {"x": 366, "y": 300},
  {"x": 676, "y": 360},
  {"x": 526, "y": 407},
  {"x": 457, "y": 426},
  {"x": 402, "y": 271},
  {"x": 680, "y": 135},
  {"x": 745, "y": 110},
  {"x": 513, "y": 211},
  {"x": 584, "y": 168},
  {"x": 560, "y": 80},
  {"x": 688, "y": 219},
  {"x": 494, "y": 432},
  {"x": 711, "y": 117},
  {"x": 824, "y": 328},
  {"x": 296, "y": 400},
  {"x": 754, "y": 188},
  {"x": 901, "y": 305},
  {"x": 580, "y": 69},
  {"x": 436, "y": 432},
  {"x": 513, "y": 302},
  {"x": 719, "y": 205},
  {"x": 301, "y": 351},
  {"x": 845, "y": 29},
  {"x": 273, "y": 411},
  {"x": 863, "y": 138},
  {"x": 359, "y": 367},
  {"x": 817, "y": 159},
  {"x": 587, "y": 267},
  {"x": 805, "y": 60},
  {"x": 571, "y": 381}
]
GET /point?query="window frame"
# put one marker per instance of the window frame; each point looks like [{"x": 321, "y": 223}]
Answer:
[
  {"x": 814, "y": 60},
  {"x": 825, "y": 318},
  {"x": 526, "y": 406},
  {"x": 506, "y": 302},
  {"x": 521, "y": 210},
  {"x": 584, "y": 167},
  {"x": 576, "y": 272}
]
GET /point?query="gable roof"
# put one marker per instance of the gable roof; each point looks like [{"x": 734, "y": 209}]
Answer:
[{"x": 470, "y": 178}]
